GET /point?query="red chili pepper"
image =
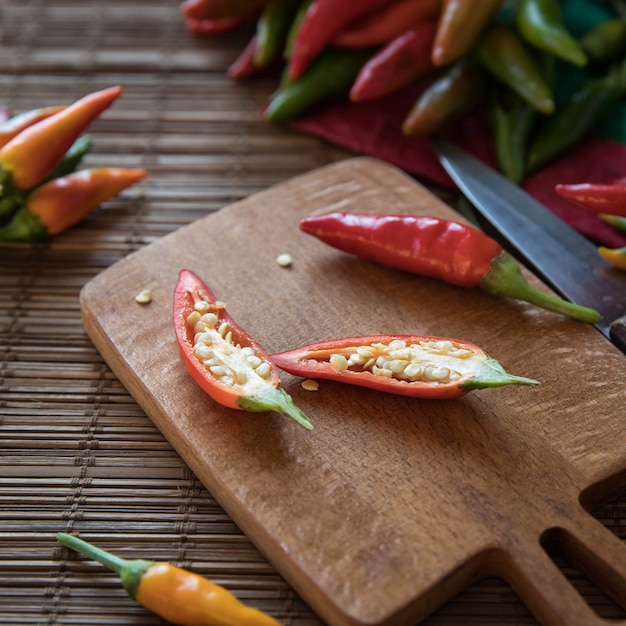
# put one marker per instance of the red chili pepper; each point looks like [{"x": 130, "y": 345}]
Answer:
[
  {"x": 63, "y": 202},
  {"x": 460, "y": 24},
  {"x": 429, "y": 246},
  {"x": 218, "y": 9},
  {"x": 403, "y": 60},
  {"x": 386, "y": 23},
  {"x": 407, "y": 365},
  {"x": 13, "y": 126},
  {"x": 203, "y": 27},
  {"x": 322, "y": 20},
  {"x": 616, "y": 256},
  {"x": 244, "y": 66},
  {"x": 609, "y": 198},
  {"x": 33, "y": 154},
  {"x": 226, "y": 362}
]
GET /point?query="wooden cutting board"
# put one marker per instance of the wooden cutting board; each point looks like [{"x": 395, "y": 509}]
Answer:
[{"x": 391, "y": 505}]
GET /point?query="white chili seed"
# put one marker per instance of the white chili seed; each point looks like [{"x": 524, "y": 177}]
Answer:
[{"x": 144, "y": 297}]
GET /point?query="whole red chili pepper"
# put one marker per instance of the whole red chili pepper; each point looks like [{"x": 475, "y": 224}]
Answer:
[
  {"x": 407, "y": 365},
  {"x": 244, "y": 66},
  {"x": 386, "y": 23},
  {"x": 461, "y": 23},
  {"x": 15, "y": 125},
  {"x": 607, "y": 198},
  {"x": 322, "y": 20},
  {"x": 226, "y": 362},
  {"x": 403, "y": 60},
  {"x": 177, "y": 595},
  {"x": 34, "y": 153},
  {"x": 204, "y": 27},
  {"x": 63, "y": 202},
  {"x": 437, "y": 248},
  {"x": 218, "y": 9}
]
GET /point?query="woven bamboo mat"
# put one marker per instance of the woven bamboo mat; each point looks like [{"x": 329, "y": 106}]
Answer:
[{"x": 76, "y": 452}]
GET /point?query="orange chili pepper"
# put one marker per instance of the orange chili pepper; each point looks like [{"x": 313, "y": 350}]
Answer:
[
  {"x": 174, "y": 594},
  {"x": 16, "y": 124},
  {"x": 460, "y": 24},
  {"x": 616, "y": 256},
  {"x": 34, "y": 153},
  {"x": 62, "y": 202},
  {"x": 226, "y": 362}
]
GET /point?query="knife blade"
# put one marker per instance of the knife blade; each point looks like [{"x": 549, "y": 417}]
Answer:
[{"x": 559, "y": 254}]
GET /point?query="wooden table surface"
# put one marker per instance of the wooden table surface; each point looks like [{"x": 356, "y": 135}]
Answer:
[{"x": 77, "y": 454}]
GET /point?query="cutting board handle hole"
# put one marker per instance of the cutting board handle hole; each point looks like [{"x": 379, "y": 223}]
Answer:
[
  {"x": 588, "y": 573},
  {"x": 604, "y": 491}
]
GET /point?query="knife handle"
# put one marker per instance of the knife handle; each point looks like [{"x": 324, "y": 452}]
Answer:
[{"x": 618, "y": 333}]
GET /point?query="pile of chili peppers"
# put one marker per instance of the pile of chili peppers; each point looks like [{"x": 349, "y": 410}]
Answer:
[
  {"x": 504, "y": 54},
  {"x": 41, "y": 192}
]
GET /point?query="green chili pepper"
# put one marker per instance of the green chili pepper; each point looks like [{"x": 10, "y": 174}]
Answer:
[
  {"x": 590, "y": 103},
  {"x": 504, "y": 55},
  {"x": 512, "y": 120},
  {"x": 540, "y": 22},
  {"x": 272, "y": 28},
  {"x": 606, "y": 41},
  {"x": 330, "y": 75},
  {"x": 616, "y": 221}
]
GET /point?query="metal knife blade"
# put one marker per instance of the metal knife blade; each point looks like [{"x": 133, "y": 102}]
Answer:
[{"x": 560, "y": 255}]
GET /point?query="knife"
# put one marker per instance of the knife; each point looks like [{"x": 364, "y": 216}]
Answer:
[{"x": 559, "y": 254}]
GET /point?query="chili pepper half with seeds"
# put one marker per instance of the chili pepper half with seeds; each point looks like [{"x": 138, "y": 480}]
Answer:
[
  {"x": 174, "y": 594},
  {"x": 225, "y": 361},
  {"x": 407, "y": 365},
  {"x": 429, "y": 246}
]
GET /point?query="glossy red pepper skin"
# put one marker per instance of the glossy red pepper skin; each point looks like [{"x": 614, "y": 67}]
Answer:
[
  {"x": 461, "y": 23},
  {"x": 190, "y": 289},
  {"x": 607, "y": 198},
  {"x": 386, "y": 23},
  {"x": 403, "y": 60},
  {"x": 13, "y": 126},
  {"x": 436, "y": 248},
  {"x": 204, "y": 27},
  {"x": 34, "y": 153},
  {"x": 62, "y": 202},
  {"x": 315, "y": 361},
  {"x": 321, "y": 22}
]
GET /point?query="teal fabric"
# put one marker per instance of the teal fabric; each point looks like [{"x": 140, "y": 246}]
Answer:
[{"x": 580, "y": 16}]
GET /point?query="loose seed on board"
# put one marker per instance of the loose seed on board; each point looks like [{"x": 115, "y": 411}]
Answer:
[{"x": 144, "y": 297}]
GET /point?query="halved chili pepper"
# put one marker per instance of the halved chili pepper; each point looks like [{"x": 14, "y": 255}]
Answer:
[
  {"x": 386, "y": 23},
  {"x": 616, "y": 256},
  {"x": 461, "y": 24},
  {"x": 330, "y": 76},
  {"x": 226, "y": 362},
  {"x": 607, "y": 198},
  {"x": 506, "y": 57},
  {"x": 174, "y": 594},
  {"x": 429, "y": 246},
  {"x": 450, "y": 96},
  {"x": 406, "y": 365},
  {"x": 322, "y": 20},
  {"x": 272, "y": 28},
  {"x": 400, "y": 62},
  {"x": 34, "y": 153},
  {"x": 540, "y": 22},
  {"x": 13, "y": 126},
  {"x": 590, "y": 103},
  {"x": 218, "y": 9},
  {"x": 606, "y": 41},
  {"x": 63, "y": 202}
]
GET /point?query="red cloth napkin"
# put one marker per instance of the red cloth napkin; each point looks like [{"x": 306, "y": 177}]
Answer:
[{"x": 373, "y": 128}]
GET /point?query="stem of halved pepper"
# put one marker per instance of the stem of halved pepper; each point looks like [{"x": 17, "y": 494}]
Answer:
[
  {"x": 226, "y": 362},
  {"x": 416, "y": 366},
  {"x": 437, "y": 248}
]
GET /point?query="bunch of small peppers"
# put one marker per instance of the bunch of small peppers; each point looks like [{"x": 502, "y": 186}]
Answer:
[
  {"x": 41, "y": 192},
  {"x": 499, "y": 53}
]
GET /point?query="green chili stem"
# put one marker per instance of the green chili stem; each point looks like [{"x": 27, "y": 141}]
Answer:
[
  {"x": 24, "y": 226},
  {"x": 278, "y": 400},
  {"x": 129, "y": 571},
  {"x": 492, "y": 374},
  {"x": 504, "y": 278}
]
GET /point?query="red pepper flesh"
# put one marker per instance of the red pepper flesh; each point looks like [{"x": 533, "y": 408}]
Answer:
[
  {"x": 429, "y": 246},
  {"x": 34, "y": 153},
  {"x": 225, "y": 361},
  {"x": 407, "y": 365},
  {"x": 609, "y": 198}
]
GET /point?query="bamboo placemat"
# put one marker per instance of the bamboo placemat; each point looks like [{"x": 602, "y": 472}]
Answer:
[{"x": 76, "y": 452}]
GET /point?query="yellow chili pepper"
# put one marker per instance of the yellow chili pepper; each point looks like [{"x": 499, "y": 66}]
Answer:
[
  {"x": 174, "y": 594},
  {"x": 617, "y": 256}
]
